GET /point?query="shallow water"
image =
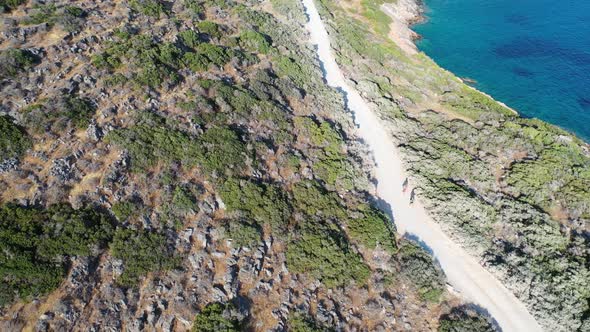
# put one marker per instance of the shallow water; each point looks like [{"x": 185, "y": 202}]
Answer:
[{"x": 534, "y": 55}]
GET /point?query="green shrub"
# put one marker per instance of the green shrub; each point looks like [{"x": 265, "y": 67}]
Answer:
[
  {"x": 67, "y": 111},
  {"x": 153, "y": 8},
  {"x": 217, "y": 55},
  {"x": 473, "y": 104},
  {"x": 332, "y": 165},
  {"x": 216, "y": 317},
  {"x": 141, "y": 252},
  {"x": 243, "y": 233},
  {"x": 70, "y": 18},
  {"x": 324, "y": 253},
  {"x": 42, "y": 14},
  {"x": 373, "y": 228},
  {"x": 35, "y": 245},
  {"x": 196, "y": 62},
  {"x": 14, "y": 141},
  {"x": 189, "y": 38},
  {"x": 286, "y": 66},
  {"x": 461, "y": 319},
  {"x": 222, "y": 150},
  {"x": 421, "y": 270},
  {"x": 195, "y": 7},
  {"x": 264, "y": 203},
  {"x": 314, "y": 200},
  {"x": 9, "y": 5},
  {"x": 125, "y": 210},
  {"x": 184, "y": 200},
  {"x": 150, "y": 63},
  {"x": 372, "y": 11},
  {"x": 300, "y": 323},
  {"x": 254, "y": 41},
  {"x": 153, "y": 140},
  {"x": 14, "y": 61},
  {"x": 210, "y": 29}
]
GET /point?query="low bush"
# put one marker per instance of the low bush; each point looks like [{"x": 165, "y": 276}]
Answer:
[
  {"x": 195, "y": 7},
  {"x": 152, "y": 140},
  {"x": 326, "y": 146},
  {"x": 127, "y": 209},
  {"x": 222, "y": 150},
  {"x": 151, "y": 63},
  {"x": 14, "y": 61},
  {"x": 9, "y": 5},
  {"x": 254, "y": 41},
  {"x": 373, "y": 229},
  {"x": 462, "y": 319},
  {"x": 243, "y": 233},
  {"x": 324, "y": 253},
  {"x": 70, "y": 18},
  {"x": 420, "y": 268},
  {"x": 314, "y": 200},
  {"x": 141, "y": 252},
  {"x": 210, "y": 29},
  {"x": 184, "y": 200},
  {"x": 154, "y": 8},
  {"x": 35, "y": 246},
  {"x": 301, "y": 323},
  {"x": 216, "y": 317},
  {"x": 66, "y": 112},
  {"x": 14, "y": 141},
  {"x": 264, "y": 203},
  {"x": 189, "y": 38}
]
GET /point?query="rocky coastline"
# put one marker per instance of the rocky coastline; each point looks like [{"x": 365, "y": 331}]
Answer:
[{"x": 405, "y": 14}]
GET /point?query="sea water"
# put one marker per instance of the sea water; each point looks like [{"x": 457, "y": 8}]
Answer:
[{"x": 533, "y": 55}]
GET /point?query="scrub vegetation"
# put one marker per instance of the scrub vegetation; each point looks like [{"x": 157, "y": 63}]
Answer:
[{"x": 191, "y": 169}]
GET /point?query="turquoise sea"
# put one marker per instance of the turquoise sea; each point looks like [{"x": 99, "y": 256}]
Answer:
[{"x": 533, "y": 55}]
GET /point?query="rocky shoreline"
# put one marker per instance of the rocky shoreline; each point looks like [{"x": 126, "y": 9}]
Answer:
[{"x": 405, "y": 14}]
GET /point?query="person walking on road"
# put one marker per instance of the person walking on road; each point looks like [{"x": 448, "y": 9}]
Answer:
[
  {"x": 412, "y": 195},
  {"x": 405, "y": 185}
]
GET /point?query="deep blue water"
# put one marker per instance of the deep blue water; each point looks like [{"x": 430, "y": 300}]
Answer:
[{"x": 533, "y": 55}]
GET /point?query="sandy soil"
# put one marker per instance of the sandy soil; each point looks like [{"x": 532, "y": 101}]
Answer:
[{"x": 464, "y": 273}]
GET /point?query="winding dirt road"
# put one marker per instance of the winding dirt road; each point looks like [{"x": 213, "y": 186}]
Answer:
[{"x": 474, "y": 283}]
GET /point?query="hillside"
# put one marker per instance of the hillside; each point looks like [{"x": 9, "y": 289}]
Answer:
[{"x": 182, "y": 165}]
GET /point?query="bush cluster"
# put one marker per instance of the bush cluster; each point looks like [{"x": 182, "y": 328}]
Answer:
[
  {"x": 217, "y": 317},
  {"x": 35, "y": 246},
  {"x": 152, "y": 63},
  {"x": 141, "y": 252},
  {"x": 10, "y": 4},
  {"x": 154, "y": 8},
  {"x": 418, "y": 267},
  {"x": 462, "y": 319},
  {"x": 14, "y": 61},
  {"x": 323, "y": 252},
  {"x": 14, "y": 141},
  {"x": 264, "y": 203},
  {"x": 70, "y": 18},
  {"x": 153, "y": 140},
  {"x": 243, "y": 233},
  {"x": 66, "y": 112}
]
